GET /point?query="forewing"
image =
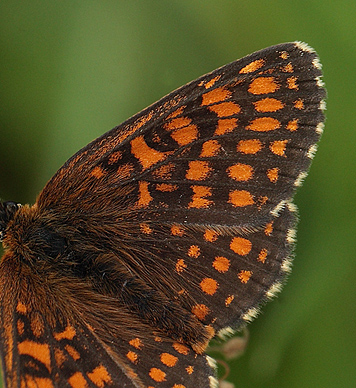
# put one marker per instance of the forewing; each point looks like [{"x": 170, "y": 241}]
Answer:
[{"x": 235, "y": 141}]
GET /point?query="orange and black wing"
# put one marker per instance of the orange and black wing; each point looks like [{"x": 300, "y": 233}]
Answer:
[
  {"x": 201, "y": 182},
  {"x": 184, "y": 216}
]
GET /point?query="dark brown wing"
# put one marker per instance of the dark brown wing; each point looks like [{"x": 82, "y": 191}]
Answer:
[{"x": 193, "y": 196}]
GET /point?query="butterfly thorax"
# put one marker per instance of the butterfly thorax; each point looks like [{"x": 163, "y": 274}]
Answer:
[{"x": 27, "y": 234}]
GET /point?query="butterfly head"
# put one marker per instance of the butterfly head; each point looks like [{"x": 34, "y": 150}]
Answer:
[{"x": 7, "y": 212}]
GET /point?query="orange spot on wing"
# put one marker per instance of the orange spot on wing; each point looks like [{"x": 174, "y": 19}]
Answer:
[
  {"x": 185, "y": 135},
  {"x": 168, "y": 359},
  {"x": 145, "y": 228},
  {"x": 199, "y": 199},
  {"x": 136, "y": 343},
  {"x": 284, "y": 55},
  {"x": 210, "y": 235},
  {"x": 209, "y": 286},
  {"x": 262, "y": 201},
  {"x": 69, "y": 333},
  {"x": 225, "y": 126},
  {"x": 36, "y": 382},
  {"x": 97, "y": 172},
  {"x": 292, "y": 125},
  {"x": 77, "y": 380},
  {"x": 190, "y": 370},
  {"x": 244, "y": 276},
  {"x": 272, "y": 174},
  {"x": 268, "y": 105},
  {"x": 240, "y": 198},
  {"x": 210, "y": 83},
  {"x": 180, "y": 348},
  {"x": 132, "y": 356},
  {"x": 299, "y": 104},
  {"x": 252, "y": 66},
  {"x": 264, "y": 124},
  {"x": 216, "y": 95},
  {"x": 157, "y": 375},
  {"x": 269, "y": 229},
  {"x": 21, "y": 308},
  {"x": 144, "y": 195},
  {"x": 100, "y": 376},
  {"x": 229, "y": 299},
  {"x": 146, "y": 155},
  {"x": 225, "y": 109},
  {"x": 262, "y": 255},
  {"x": 166, "y": 187},
  {"x": 263, "y": 85},
  {"x": 288, "y": 68},
  {"x": 210, "y": 148},
  {"x": 177, "y": 230},
  {"x": 198, "y": 170},
  {"x": 240, "y": 172},
  {"x": 292, "y": 83},
  {"x": 180, "y": 266},
  {"x": 177, "y": 123},
  {"x": 249, "y": 146},
  {"x": 176, "y": 113},
  {"x": 221, "y": 264},
  {"x": 200, "y": 311},
  {"x": 38, "y": 351},
  {"x": 278, "y": 147},
  {"x": 194, "y": 251},
  {"x": 241, "y": 246},
  {"x": 37, "y": 325},
  {"x": 158, "y": 339}
]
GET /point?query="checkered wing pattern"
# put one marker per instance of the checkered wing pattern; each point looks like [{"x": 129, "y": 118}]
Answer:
[{"x": 178, "y": 224}]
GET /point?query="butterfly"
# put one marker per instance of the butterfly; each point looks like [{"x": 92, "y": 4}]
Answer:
[{"x": 167, "y": 231}]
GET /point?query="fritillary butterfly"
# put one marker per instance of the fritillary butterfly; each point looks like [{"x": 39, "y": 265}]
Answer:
[{"x": 165, "y": 232}]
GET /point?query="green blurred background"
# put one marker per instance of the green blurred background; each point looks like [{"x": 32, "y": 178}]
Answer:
[{"x": 71, "y": 70}]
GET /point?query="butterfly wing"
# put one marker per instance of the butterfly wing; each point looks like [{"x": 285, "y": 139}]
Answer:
[
  {"x": 184, "y": 214},
  {"x": 265, "y": 106},
  {"x": 203, "y": 180}
]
